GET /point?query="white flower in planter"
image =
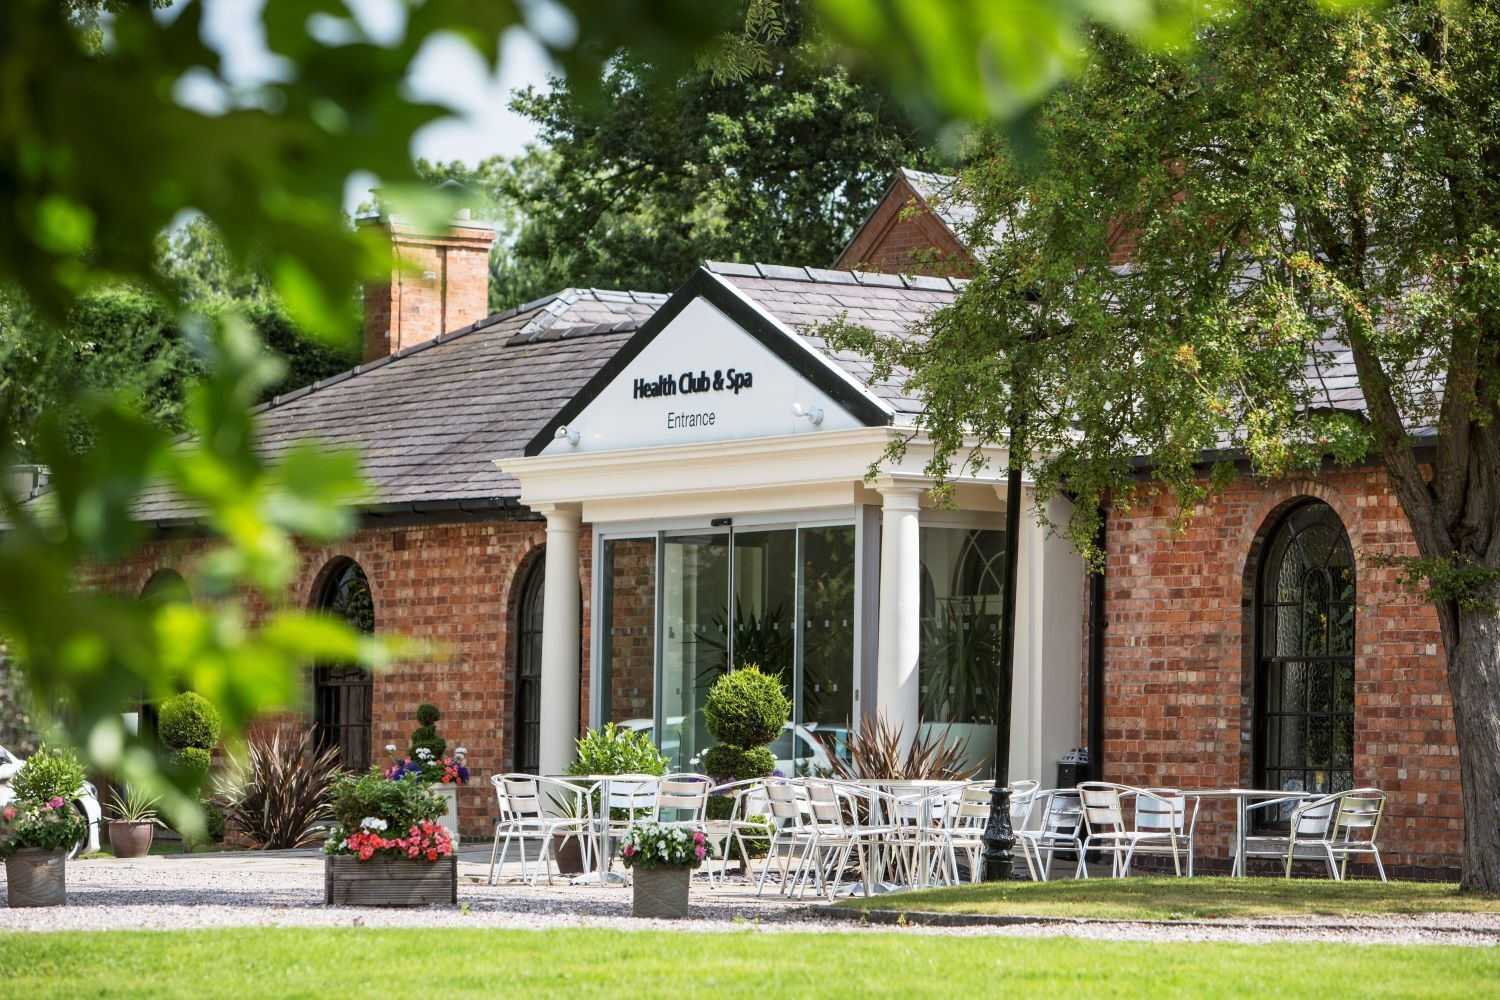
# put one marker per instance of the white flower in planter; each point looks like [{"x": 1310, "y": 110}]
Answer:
[
  {"x": 371, "y": 824},
  {"x": 390, "y": 748}
]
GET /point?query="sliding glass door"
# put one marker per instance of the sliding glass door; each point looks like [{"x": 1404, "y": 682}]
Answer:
[{"x": 781, "y": 599}]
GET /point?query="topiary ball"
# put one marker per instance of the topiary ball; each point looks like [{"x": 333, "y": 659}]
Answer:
[
  {"x": 427, "y": 713},
  {"x": 727, "y": 762},
  {"x": 747, "y": 708},
  {"x": 188, "y": 720},
  {"x": 193, "y": 763}
]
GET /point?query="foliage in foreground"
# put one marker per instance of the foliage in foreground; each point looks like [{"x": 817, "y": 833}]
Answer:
[{"x": 319, "y": 962}]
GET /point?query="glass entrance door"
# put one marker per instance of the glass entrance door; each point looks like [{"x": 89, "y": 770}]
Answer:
[
  {"x": 781, "y": 599},
  {"x": 694, "y": 639}
]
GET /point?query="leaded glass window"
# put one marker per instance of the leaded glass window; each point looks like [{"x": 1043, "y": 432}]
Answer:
[
  {"x": 343, "y": 693},
  {"x": 1304, "y": 704}
]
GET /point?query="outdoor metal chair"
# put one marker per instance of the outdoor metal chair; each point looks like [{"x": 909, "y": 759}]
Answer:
[
  {"x": 1329, "y": 829},
  {"x": 1106, "y": 829},
  {"x": 794, "y": 833},
  {"x": 966, "y": 822},
  {"x": 1172, "y": 816},
  {"x": 1060, "y": 829},
  {"x": 536, "y": 809}
]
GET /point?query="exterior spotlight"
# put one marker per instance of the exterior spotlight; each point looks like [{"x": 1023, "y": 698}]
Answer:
[
  {"x": 572, "y": 434},
  {"x": 814, "y": 414}
]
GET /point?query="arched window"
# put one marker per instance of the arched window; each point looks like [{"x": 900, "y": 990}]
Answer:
[
  {"x": 1304, "y": 685},
  {"x": 528, "y": 675},
  {"x": 343, "y": 692}
]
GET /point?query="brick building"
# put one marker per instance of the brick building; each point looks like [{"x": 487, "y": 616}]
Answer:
[
  {"x": 1201, "y": 672},
  {"x": 592, "y": 504}
]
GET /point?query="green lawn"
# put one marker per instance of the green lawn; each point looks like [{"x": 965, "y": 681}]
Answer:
[
  {"x": 395, "y": 963},
  {"x": 1182, "y": 898},
  {"x": 358, "y": 962}
]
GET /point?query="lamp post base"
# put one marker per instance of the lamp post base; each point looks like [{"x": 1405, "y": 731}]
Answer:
[{"x": 999, "y": 838}]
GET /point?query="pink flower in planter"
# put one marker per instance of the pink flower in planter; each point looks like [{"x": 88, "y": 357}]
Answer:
[{"x": 55, "y": 802}]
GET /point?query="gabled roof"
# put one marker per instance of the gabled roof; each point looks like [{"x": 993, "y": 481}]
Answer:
[
  {"x": 781, "y": 307},
  {"x": 940, "y": 193},
  {"x": 799, "y": 298},
  {"x": 429, "y": 419}
]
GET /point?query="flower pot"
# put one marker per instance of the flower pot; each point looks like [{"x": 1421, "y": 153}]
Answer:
[
  {"x": 567, "y": 851},
  {"x": 449, "y": 819},
  {"x": 661, "y": 893},
  {"x": 35, "y": 877},
  {"x": 348, "y": 881},
  {"x": 131, "y": 838}
]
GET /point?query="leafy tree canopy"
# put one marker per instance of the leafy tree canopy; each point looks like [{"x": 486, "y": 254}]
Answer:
[
  {"x": 1303, "y": 189},
  {"x": 779, "y": 162}
]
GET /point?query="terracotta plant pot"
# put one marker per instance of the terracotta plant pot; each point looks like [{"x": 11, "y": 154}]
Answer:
[
  {"x": 35, "y": 877},
  {"x": 131, "y": 838},
  {"x": 661, "y": 893},
  {"x": 568, "y": 854}
]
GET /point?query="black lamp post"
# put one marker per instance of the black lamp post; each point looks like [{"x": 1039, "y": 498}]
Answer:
[{"x": 999, "y": 838}]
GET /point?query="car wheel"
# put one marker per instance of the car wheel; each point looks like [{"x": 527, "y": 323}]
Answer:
[{"x": 84, "y": 840}]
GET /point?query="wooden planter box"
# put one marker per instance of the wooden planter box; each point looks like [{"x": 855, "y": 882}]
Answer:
[
  {"x": 348, "y": 881},
  {"x": 661, "y": 893},
  {"x": 35, "y": 877}
]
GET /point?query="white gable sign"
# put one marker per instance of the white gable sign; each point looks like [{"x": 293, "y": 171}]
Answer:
[{"x": 702, "y": 378}]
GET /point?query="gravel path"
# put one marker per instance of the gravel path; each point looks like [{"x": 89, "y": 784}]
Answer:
[{"x": 173, "y": 892}]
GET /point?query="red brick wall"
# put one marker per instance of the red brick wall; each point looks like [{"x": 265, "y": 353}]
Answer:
[
  {"x": 630, "y": 640},
  {"x": 903, "y": 237},
  {"x": 453, "y": 586},
  {"x": 1179, "y": 673}
]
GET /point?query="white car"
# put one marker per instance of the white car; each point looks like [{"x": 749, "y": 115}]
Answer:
[
  {"x": 810, "y": 753},
  {"x": 86, "y": 802}
]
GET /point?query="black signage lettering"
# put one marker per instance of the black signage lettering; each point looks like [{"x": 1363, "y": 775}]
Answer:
[
  {"x": 731, "y": 379},
  {"x": 676, "y": 421}
]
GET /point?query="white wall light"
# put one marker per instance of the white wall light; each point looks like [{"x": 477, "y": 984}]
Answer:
[{"x": 813, "y": 414}]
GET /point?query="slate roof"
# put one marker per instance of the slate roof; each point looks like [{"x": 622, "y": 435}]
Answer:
[
  {"x": 429, "y": 420},
  {"x": 799, "y": 298}
]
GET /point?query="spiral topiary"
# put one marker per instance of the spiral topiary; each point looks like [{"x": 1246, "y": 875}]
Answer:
[
  {"x": 189, "y": 721},
  {"x": 425, "y": 736}
]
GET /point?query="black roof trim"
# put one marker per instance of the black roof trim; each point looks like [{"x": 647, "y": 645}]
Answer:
[{"x": 703, "y": 284}]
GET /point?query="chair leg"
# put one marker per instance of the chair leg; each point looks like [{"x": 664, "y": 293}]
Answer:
[
  {"x": 760, "y": 886},
  {"x": 1378, "y": 866},
  {"x": 494, "y": 854}
]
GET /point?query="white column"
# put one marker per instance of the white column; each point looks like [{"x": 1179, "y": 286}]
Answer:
[
  {"x": 560, "y": 642},
  {"x": 897, "y": 695}
]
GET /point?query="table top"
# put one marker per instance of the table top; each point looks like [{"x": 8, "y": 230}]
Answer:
[{"x": 1247, "y": 793}]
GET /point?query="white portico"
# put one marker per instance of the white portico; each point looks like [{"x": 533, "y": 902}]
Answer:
[{"x": 719, "y": 464}]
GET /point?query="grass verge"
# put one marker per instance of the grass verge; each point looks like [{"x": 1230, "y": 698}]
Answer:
[
  {"x": 1187, "y": 899},
  {"x": 305, "y": 962}
]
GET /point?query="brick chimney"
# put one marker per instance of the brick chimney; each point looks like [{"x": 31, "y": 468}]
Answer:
[{"x": 439, "y": 282}]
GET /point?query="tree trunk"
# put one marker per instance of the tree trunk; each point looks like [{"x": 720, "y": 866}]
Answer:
[{"x": 1474, "y": 680}]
